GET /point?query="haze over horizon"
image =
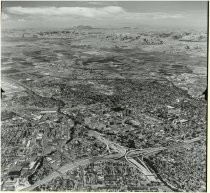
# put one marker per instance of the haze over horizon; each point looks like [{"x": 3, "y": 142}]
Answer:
[{"x": 54, "y": 14}]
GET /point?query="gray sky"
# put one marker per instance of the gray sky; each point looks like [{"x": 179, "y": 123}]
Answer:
[{"x": 168, "y": 14}]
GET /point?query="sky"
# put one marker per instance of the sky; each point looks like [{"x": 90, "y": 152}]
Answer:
[{"x": 65, "y": 14}]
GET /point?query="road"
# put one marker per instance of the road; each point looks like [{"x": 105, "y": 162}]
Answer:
[
  {"x": 129, "y": 154},
  {"x": 122, "y": 152},
  {"x": 151, "y": 151},
  {"x": 28, "y": 89},
  {"x": 69, "y": 166},
  {"x": 141, "y": 166}
]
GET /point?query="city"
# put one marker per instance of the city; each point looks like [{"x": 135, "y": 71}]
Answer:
[{"x": 113, "y": 109}]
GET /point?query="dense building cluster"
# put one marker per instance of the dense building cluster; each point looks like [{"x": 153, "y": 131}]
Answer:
[{"x": 103, "y": 176}]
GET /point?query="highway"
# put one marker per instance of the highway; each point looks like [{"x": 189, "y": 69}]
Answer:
[
  {"x": 28, "y": 89},
  {"x": 122, "y": 152},
  {"x": 129, "y": 154},
  {"x": 141, "y": 166},
  {"x": 151, "y": 151},
  {"x": 67, "y": 167}
]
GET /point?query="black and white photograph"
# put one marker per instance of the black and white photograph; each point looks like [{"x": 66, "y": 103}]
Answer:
[{"x": 104, "y": 96}]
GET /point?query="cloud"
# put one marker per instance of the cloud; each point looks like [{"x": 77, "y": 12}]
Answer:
[
  {"x": 154, "y": 15},
  {"x": 110, "y": 13},
  {"x": 97, "y": 3},
  {"x": 167, "y": 16},
  {"x": 103, "y": 3},
  {"x": 4, "y": 16},
  {"x": 21, "y": 20},
  {"x": 67, "y": 11}
]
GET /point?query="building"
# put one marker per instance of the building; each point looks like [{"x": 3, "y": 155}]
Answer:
[{"x": 15, "y": 172}]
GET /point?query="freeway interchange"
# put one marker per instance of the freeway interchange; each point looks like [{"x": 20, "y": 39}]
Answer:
[{"x": 133, "y": 156}]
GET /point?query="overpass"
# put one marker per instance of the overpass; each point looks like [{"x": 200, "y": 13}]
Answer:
[{"x": 129, "y": 154}]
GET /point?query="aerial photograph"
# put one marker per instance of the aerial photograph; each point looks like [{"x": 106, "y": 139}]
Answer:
[{"x": 104, "y": 96}]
